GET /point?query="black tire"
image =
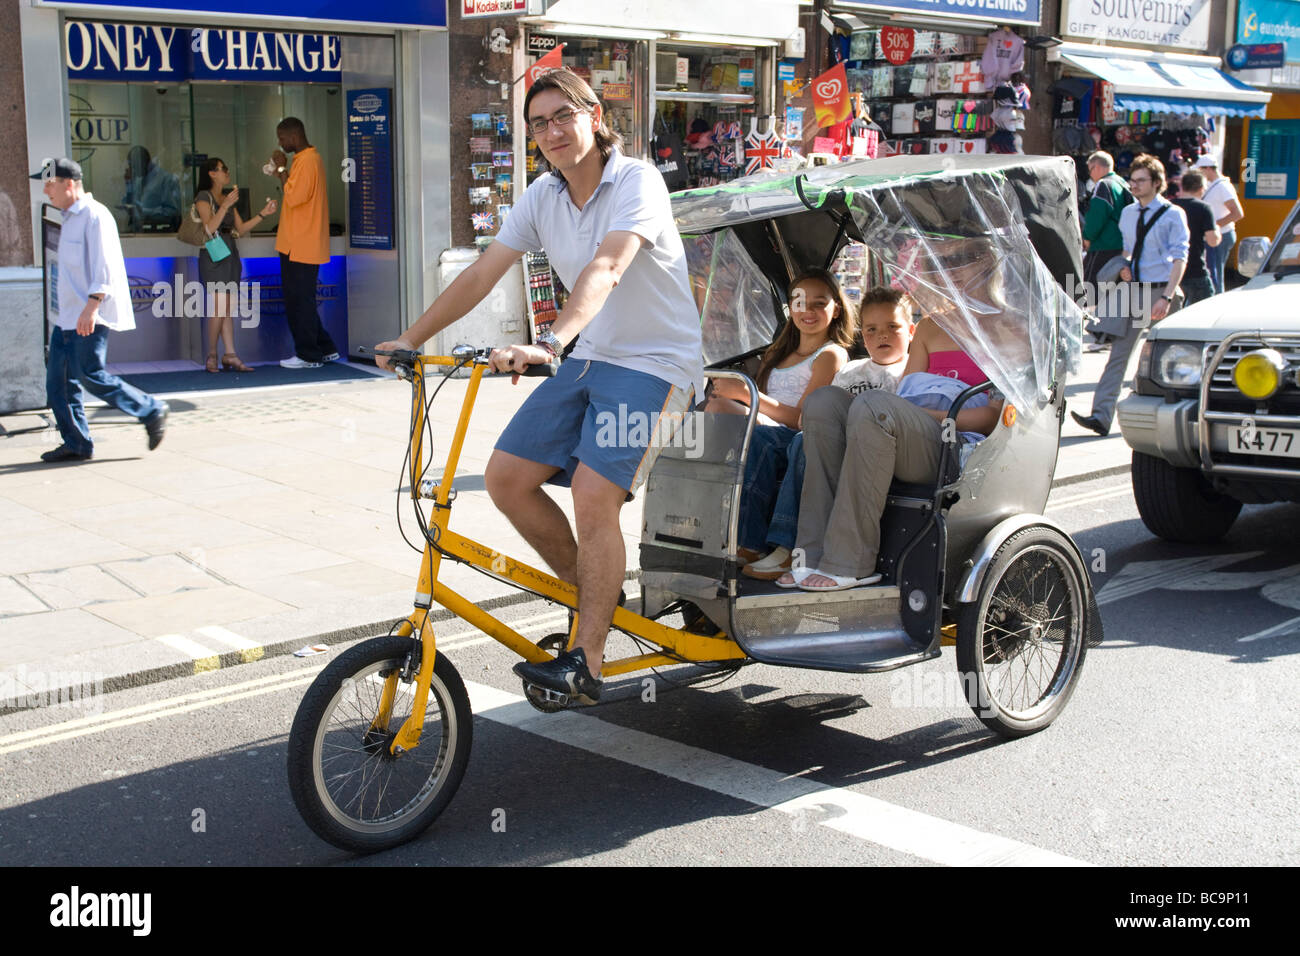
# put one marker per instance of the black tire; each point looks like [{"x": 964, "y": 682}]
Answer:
[
  {"x": 1021, "y": 643},
  {"x": 1178, "y": 504},
  {"x": 333, "y": 793}
]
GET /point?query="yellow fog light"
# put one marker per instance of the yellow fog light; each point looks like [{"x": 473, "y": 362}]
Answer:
[{"x": 1259, "y": 373}]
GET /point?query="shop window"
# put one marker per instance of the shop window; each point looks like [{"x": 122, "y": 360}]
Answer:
[
  {"x": 132, "y": 141},
  {"x": 141, "y": 145}
]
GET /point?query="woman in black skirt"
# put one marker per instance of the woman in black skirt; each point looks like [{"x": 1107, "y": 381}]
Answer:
[{"x": 221, "y": 219}]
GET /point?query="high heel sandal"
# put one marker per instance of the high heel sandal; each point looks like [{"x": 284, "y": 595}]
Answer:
[
  {"x": 233, "y": 362},
  {"x": 211, "y": 365}
]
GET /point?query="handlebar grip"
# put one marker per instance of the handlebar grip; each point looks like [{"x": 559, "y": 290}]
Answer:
[{"x": 541, "y": 370}]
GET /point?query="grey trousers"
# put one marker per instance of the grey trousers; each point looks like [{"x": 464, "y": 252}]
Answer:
[
  {"x": 1116, "y": 372},
  {"x": 854, "y": 446}
]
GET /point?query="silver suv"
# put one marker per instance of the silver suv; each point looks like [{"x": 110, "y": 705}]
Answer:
[{"x": 1214, "y": 415}]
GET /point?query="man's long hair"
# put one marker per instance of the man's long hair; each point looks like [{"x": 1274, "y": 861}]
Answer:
[{"x": 580, "y": 96}]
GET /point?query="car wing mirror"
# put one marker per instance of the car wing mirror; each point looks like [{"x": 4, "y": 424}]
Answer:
[{"x": 1251, "y": 254}]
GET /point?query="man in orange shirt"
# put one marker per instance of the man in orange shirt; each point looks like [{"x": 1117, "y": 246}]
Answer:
[{"x": 303, "y": 242}]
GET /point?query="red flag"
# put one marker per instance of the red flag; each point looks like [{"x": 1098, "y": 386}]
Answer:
[
  {"x": 831, "y": 96},
  {"x": 552, "y": 61}
]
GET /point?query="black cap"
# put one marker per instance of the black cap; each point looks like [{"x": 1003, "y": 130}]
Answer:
[
  {"x": 1005, "y": 94},
  {"x": 58, "y": 169}
]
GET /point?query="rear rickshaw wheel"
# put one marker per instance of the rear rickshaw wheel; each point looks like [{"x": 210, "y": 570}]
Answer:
[{"x": 1021, "y": 643}]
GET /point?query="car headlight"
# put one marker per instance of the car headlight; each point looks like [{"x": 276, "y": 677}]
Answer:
[
  {"x": 1258, "y": 374},
  {"x": 1177, "y": 365}
]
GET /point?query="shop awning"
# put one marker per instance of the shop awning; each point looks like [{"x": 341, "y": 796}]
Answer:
[
  {"x": 738, "y": 22},
  {"x": 1165, "y": 84}
]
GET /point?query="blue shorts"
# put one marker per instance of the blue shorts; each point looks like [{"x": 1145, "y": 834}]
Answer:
[{"x": 613, "y": 420}]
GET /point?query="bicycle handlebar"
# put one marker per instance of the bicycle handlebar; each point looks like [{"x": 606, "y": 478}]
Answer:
[{"x": 404, "y": 360}]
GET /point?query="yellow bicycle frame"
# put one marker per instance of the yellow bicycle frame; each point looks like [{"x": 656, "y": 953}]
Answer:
[{"x": 678, "y": 645}]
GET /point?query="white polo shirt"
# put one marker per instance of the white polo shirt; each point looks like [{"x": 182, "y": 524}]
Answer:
[
  {"x": 649, "y": 323},
  {"x": 1218, "y": 194},
  {"x": 90, "y": 260}
]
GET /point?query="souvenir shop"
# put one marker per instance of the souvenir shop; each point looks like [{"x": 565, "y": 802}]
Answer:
[
  {"x": 679, "y": 82},
  {"x": 944, "y": 78},
  {"x": 682, "y": 83},
  {"x": 1130, "y": 101}
]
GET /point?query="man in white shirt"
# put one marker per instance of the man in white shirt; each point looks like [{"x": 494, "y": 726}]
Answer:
[
  {"x": 606, "y": 224},
  {"x": 1156, "y": 244},
  {"x": 1221, "y": 196},
  {"x": 92, "y": 299}
]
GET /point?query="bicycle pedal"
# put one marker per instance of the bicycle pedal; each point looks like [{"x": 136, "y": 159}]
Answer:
[{"x": 546, "y": 700}]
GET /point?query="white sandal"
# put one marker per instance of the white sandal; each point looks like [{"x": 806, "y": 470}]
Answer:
[
  {"x": 798, "y": 574},
  {"x": 842, "y": 582}
]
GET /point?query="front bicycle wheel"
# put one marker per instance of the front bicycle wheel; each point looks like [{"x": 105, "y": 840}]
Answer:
[{"x": 348, "y": 787}]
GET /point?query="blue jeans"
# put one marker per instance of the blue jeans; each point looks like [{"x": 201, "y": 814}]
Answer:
[
  {"x": 782, "y": 530},
  {"x": 764, "y": 468},
  {"x": 76, "y": 361},
  {"x": 1216, "y": 257}
]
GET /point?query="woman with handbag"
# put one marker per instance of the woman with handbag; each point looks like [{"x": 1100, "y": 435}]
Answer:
[{"x": 219, "y": 256}]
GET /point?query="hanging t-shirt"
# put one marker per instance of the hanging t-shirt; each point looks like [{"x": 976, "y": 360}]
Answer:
[{"x": 1003, "y": 55}]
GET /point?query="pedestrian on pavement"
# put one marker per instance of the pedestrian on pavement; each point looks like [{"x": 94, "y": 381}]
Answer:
[
  {"x": 1110, "y": 194},
  {"x": 1156, "y": 244},
  {"x": 303, "y": 242},
  {"x": 605, "y": 222},
  {"x": 222, "y": 220},
  {"x": 1221, "y": 196},
  {"x": 1204, "y": 236},
  {"x": 92, "y": 299}
]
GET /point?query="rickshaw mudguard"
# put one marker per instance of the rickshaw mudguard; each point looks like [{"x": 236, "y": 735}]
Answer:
[{"x": 968, "y": 589}]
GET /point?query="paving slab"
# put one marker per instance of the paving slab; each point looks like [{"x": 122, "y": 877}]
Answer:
[
  {"x": 76, "y": 587},
  {"x": 163, "y": 574}
]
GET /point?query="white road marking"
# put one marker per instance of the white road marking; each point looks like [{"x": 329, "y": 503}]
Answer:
[
  {"x": 1087, "y": 497},
  {"x": 863, "y": 817},
  {"x": 1285, "y": 629},
  {"x": 867, "y": 818},
  {"x": 249, "y": 651},
  {"x": 194, "y": 649},
  {"x": 1137, "y": 577}
]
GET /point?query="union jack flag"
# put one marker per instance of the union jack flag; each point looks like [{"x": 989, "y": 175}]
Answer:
[
  {"x": 621, "y": 50},
  {"x": 760, "y": 151},
  {"x": 482, "y": 221}
]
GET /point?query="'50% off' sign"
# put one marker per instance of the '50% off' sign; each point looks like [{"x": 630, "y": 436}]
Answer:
[{"x": 897, "y": 43}]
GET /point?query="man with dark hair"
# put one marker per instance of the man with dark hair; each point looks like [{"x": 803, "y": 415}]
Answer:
[
  {"x": 1156, "y": 244},
  {"x": 606, "y": 223},
  {"x": 303, "y": 242},
  {"x": 93, "y": 298},
  {"x": 1204, "y": 233}
]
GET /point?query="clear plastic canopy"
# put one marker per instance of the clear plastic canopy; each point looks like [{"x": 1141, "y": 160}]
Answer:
[{"x": 954, "y": 234}]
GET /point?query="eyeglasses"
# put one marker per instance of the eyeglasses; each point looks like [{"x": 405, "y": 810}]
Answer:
[{"x": 561, "y": 118}]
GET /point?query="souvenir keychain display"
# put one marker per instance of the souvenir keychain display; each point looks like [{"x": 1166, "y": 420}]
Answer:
[{"x": 491, "y": 162}]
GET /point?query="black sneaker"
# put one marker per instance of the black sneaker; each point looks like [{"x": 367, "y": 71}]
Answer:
[
  {"x": 566, "y": 674},
  {"x": 64, "y": 453},
  {"x": 156, "y": 425}
]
